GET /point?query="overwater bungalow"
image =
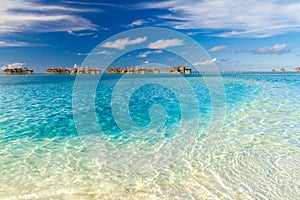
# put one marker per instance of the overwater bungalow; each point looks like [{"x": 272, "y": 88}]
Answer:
[
  {"x": 282, "y": 70},
  {"x": 18, "y": 71},
  {"x": 61, "y": 70},
  {"x": 80, "y": 70},
  {"x": 179, "y": 70},
  {"x": 297, "y": 69},
  {"x": 132, "y": 70},
  {"x": 85, "y": 70}
]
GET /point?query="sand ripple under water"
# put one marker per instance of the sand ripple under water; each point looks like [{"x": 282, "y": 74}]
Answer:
[{"x": 257, "y": 155}]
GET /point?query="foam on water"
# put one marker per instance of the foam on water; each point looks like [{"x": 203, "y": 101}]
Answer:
[{"x": 257, "y": 156}]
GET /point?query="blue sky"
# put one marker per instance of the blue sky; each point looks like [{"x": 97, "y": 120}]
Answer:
[{"x": 239, "y": 35}]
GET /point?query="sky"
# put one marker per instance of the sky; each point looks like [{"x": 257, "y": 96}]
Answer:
[{"x": 254, "y": 35}]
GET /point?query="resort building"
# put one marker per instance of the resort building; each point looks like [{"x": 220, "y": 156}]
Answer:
[
  {"x": 83, "y": 70},
  {"x": 15, "y": 71},
  {"x": 297, "y": 69},
  {"x": 61, "y": 70},
  {"x": 132, "y": 70},
  {"x": 179, "y": 70},
  {"x": 187, "y": 71},
  {"x": 282, "y": 70},
  {"x": 137, "y": 70}
]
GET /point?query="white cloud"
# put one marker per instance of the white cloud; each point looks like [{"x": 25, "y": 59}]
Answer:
[
  {"x": 232, "y": 18},
  {"x": 13, "y": 44},
  {"x": 13, "y": 66},
  {"x": 93, "y": 3},
  {"x": 217, "y": 48},
  {"x": 138, "y": 22},
  {"x": 160, "y": 44},
  {"x": 83, "y": 54},
  {"x": 22, "y": 15},
  {"x": 146, "y": 62},
  {"x": 276, "y": 49},
  {"x": 19, "y": 44},
  {"x": 206, "y": 62},
  {"x": 80, "y": 34},
  {"x": 122, "y": 43},
  {"x": 145, "y": 54},
  {"x": 104, "y": 52}
]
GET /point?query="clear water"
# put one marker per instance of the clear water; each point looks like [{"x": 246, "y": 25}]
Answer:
[{"x": 256, "y": 156}]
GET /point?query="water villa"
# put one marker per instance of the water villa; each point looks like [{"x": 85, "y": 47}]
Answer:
[
  {"x": 179, "y": 70},
  {"x": 18, "y": 71},
  {"x": 61, "y": 70},
  {"x": 282, "y": 70},
  {"x": 297, "y": 69},
  {"x": 137, "y": 70},
  {"x": 83, "y": 70},
  {"x": 132, "y": 70}
]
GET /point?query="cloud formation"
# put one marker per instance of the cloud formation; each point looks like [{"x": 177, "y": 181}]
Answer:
[
  {"x": 122, "y": 43},
  {"x": 13, "y": 44},
  {"x": 160, "y": 44},
  {"x": 23, "y": 15},
  {"x": 83, "y": 54},
  {"x": 232, "y": 18},
  {"x": 80, "y": 34},
  {"x": 93, "y": 3},
  {"x": 217, "y": 48},
  {"x": 206, "y": 62},
  {"x": 13, "y": 66},
  {"x": 145, "y": 54},
  {"x": 138, "y": 22},
  {"x": 104, "y": 52},
  {"x": 276, "y": 49}
]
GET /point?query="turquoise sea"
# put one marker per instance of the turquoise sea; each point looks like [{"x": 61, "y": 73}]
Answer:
[{"x": 253, "y": 152}]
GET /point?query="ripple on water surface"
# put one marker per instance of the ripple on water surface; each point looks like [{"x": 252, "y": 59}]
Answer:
[{"x": 257, "y": 156}]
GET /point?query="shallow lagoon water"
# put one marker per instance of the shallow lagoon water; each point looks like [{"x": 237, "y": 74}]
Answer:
[{"x": 256, "y": 156}]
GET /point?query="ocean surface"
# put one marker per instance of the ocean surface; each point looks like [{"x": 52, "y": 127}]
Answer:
[{"x": 150, "y": 137}]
